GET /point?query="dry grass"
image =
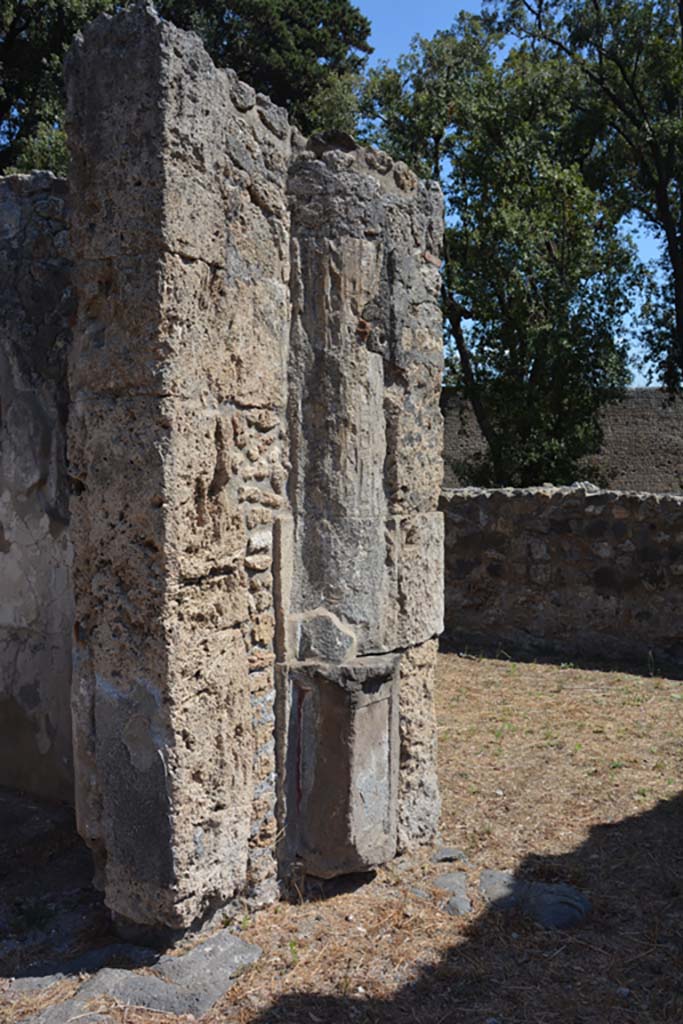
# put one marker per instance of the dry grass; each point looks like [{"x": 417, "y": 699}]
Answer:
[{"x": 555, "y": 772}]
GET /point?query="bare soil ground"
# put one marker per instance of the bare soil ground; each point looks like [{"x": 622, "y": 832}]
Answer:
[{"x": 555, "y": 772}]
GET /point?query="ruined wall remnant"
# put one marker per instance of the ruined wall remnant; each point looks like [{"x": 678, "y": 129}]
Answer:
[
  {"x": 255, "y": 440},
  {"x": 642, "y": 448},
  {"x": 176, "y": 431},
  {"x": 36, "y": 605},
  {"x": 571, "y": 571},
  {"x": 366, "y": 545}
]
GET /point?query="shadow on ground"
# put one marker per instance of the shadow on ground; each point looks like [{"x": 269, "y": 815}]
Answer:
[
  {"x": 624, "y": 966},
  {"x": 48, "y": 906},
  {"x": 645, "y": 667}
]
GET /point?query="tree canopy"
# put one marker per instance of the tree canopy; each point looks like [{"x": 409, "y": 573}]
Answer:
[
  {"x": 629, "y": 57},
  {"x": 305, "y": 56},
  {"x": 537, "y": 275}
]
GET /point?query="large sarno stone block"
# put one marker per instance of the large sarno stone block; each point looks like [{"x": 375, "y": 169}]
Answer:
[
  {"x": 343, "y": 770},
  {"x": 178, "y": 386}
]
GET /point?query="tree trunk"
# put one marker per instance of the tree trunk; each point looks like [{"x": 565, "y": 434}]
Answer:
[{"x": 455, "y": 315}]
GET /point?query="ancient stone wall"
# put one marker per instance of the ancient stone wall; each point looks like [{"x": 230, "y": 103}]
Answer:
[
  {"x": 255, "y": 444},
  {"x": 36, "y": 604},
  {"x": 572, "y": 571},
  {"x": 365, "y": 597},
  {"x": 180, "y": 237},
  {"x": 642, "y": 448}
]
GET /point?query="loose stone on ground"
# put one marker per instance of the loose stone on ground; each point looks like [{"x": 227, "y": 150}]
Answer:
[
  {"x": 189, "y": 983},
  {"x": 552, "y": 905},
  {"x": 448, "y": 854},
  {"x": 454, "y": 883}
]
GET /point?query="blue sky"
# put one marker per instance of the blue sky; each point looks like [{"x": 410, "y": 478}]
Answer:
[{"x": 395, "y": 22}]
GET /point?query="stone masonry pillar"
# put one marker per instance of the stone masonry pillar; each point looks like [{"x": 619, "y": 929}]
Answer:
[
  {"x": 363, "y": 556},
  {"x": 177, "y": 375},
  {"x": 255, "y": 457}
]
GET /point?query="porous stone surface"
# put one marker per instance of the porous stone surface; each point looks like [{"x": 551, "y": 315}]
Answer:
[
  {"x": 641, "y": 450},
  {"x": 419, "y": 804},
  {"x": 36, "y": 602},
  {"x": 571, "y": 571},
  {"x": 361, "y": 558},
  {"x": 178, "y": 386},
  {"x": 255, "y": 447}
]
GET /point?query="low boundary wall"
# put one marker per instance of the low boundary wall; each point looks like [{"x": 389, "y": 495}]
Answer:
[{"x": 571, "y": 571}]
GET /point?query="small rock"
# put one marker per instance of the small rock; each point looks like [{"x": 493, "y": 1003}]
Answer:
[
  {"x": 453, "y": 882},
  {"x": 456, "y": 906},
  {"x": 556, "y": 906},
  {"x": 446, "y": 854},
  {"x": 552, "y": 905},
  {"x": 498, "y": 887},
  {"x": 623, "y": 992},
  {"x": 243, "y": 96},
  {"x": 210, "y": 968}
]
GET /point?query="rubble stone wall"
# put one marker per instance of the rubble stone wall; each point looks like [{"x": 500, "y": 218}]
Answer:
[
  {"x": 36, "y": 603},
  {"x": 571, "y": 571}
]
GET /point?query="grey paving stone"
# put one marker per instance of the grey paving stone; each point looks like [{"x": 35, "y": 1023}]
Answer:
[
  {"x": 453, "y": 882},
  {"x": 33, "y": 983},
  {"x": 42, "y": 976},
  {"x": 556, "y": 905},
  {"x": 145, "y": 990},
  {"x": 211, "y": 967},
  {"x": 498, "y": 887},
  {"x": 448, "y": 854},
  {"x": 189, "y": 983},
  {"x": 550, "y": 904},
  {"x": 456, "y": 906},
  {"x": 70, "y": 1012}
]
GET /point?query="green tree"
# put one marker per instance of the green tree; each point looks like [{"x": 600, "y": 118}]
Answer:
[
  {"x": 34, "y": 36},
  {"x": 537, "y": 278},
  {"x": 629, "y": 56},
  {"x": 306, "y": 56},
  {"x": 298, "y": 53}
]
